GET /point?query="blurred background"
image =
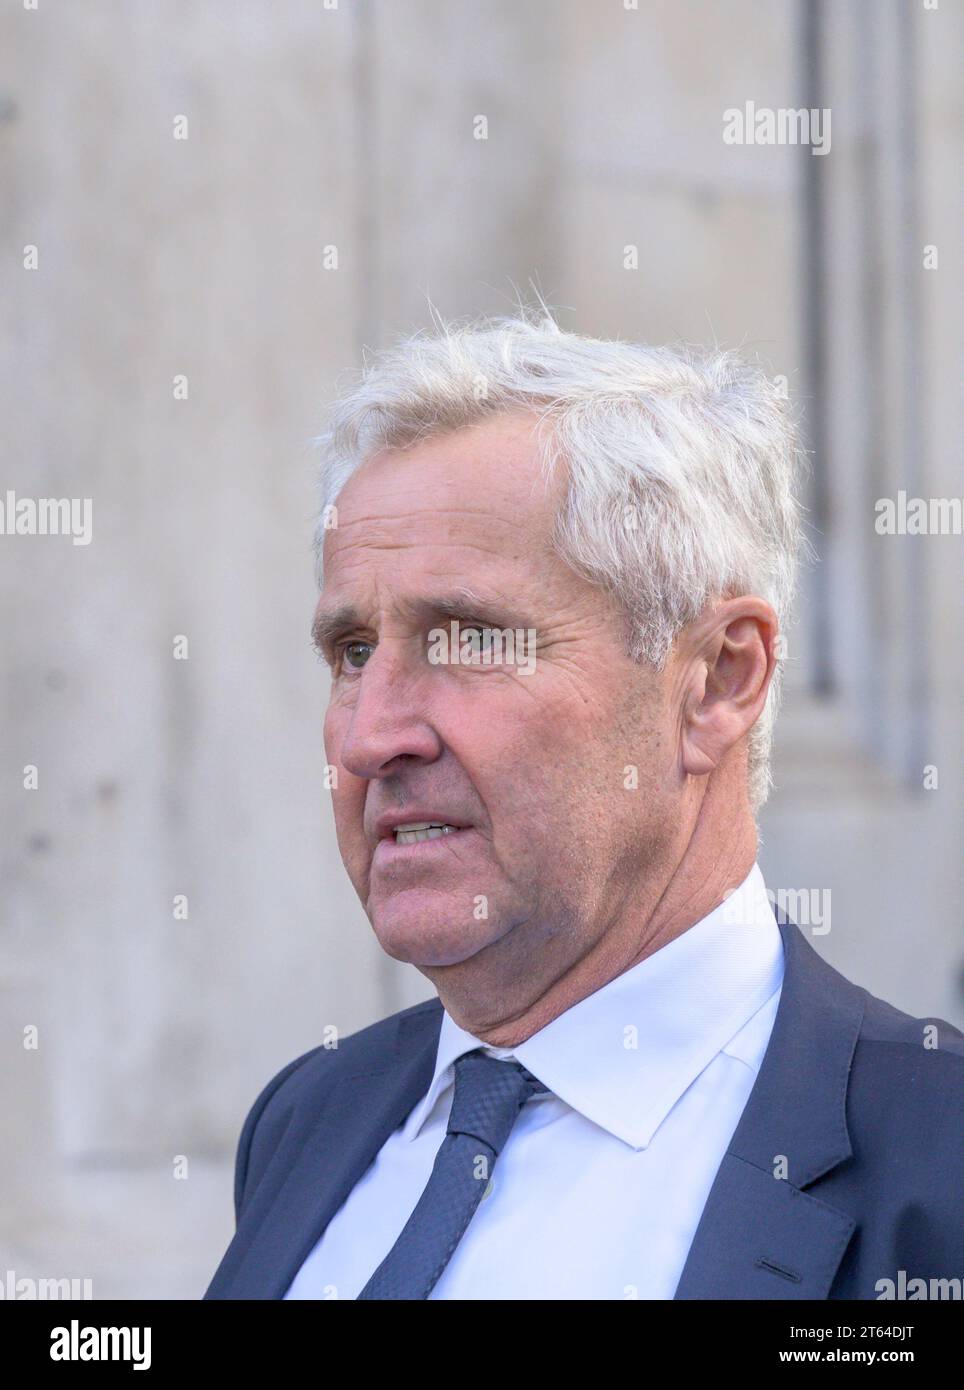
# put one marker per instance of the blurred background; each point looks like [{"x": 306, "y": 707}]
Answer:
[{"x": 228, "y": 200}]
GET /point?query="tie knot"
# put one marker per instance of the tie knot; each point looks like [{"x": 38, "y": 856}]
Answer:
[{"x": 489, "y": 1093}]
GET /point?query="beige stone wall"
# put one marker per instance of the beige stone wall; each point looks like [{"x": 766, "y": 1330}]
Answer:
[{"x": 352, "y": 127}]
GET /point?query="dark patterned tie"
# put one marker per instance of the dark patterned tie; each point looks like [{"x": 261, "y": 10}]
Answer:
[{"x": 489, "y": 1094}]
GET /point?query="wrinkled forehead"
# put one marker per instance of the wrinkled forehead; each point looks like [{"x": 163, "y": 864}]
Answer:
[{"x": 482, "y": 489}]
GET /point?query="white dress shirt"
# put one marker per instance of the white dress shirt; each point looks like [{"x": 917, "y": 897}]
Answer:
[{"x": 600, "y": 1186}]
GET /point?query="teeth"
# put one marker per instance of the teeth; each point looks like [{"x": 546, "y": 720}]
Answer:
[{"x": 422, "y": 830}]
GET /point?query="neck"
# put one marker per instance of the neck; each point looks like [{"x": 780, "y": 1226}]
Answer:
[{"x": 717, "y": 856}]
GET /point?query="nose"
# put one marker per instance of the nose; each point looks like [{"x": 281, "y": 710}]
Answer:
[{"x": 389, "y": 718}]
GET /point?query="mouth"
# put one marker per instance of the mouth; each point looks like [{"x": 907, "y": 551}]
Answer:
[
  {"x": 419, "y": 831},
  {"x": 419, "y": 842}
]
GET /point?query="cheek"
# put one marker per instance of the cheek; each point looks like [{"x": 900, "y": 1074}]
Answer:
[
  {"x": 348, "y": 793},
  {"x": 332, "y": 732},
  {"x": 348, "y": 804},
  {"x": 335, "y": 730}
]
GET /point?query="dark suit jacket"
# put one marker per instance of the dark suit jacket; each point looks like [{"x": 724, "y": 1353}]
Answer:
[{"x": 870, "y": 1121}]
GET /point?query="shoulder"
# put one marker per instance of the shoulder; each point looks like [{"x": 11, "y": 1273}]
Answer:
[
  {"x": 905, "y": 1119},
  {"x": 885, "y": 1050},
  {"x": 908, "y": 1068},
  {"x": 891, "y": 1082},
  {"x": 361, "y": 1050},
  {"x": 303, "y": 1084}
]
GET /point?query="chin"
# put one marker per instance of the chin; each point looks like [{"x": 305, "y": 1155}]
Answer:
[{"x": 424, "y": 937}]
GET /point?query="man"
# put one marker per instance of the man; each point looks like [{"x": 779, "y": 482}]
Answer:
[{"x": 554, "y": 571}]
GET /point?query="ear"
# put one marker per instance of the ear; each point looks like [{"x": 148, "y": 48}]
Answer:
[{"x": 727, "y": 658}]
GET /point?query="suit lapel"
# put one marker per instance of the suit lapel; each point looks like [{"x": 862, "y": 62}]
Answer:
[
  {"x": 761, "y": 1238},
  {"x": 761, "y": 1235},
  {"x": 281, "y": 1225}
]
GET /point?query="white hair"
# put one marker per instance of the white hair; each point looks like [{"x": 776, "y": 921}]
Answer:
[{"x": 682, "y": 465}]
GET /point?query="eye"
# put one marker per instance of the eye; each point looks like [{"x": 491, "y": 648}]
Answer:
[
  {"x": 479, "y": 639},
  {"x": 355, "y": 654}
]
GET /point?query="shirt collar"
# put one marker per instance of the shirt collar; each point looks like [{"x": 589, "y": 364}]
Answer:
[{"x": 625, "y": 1054}]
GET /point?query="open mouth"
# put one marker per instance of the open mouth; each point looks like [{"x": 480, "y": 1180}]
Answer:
[{"x": 423, "y": 830}]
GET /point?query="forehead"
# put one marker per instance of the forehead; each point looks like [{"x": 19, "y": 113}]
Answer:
[{"x": 482, "y": 488}]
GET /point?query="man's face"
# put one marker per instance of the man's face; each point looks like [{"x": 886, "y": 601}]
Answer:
[{"x": 535, "y": 770}]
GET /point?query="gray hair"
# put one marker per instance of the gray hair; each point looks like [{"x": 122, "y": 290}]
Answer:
[{"x": 682, "y": 465}]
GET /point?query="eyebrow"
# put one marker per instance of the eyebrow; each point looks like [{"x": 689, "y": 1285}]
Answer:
[{"x": 458, "y": 603}]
